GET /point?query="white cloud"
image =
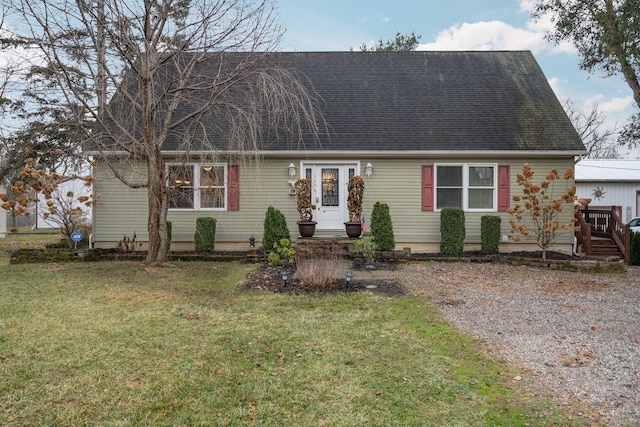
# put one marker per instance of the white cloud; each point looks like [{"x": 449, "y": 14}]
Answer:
[
  {"x": 612, "y": 105},
  {"x": 494, "y": 35},
  {"x": 556, "y": 86}
]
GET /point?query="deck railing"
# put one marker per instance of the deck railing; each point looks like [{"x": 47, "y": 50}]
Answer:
[
  {"x": 583, "y": 232},
  {"x": 603, "y": 223}
]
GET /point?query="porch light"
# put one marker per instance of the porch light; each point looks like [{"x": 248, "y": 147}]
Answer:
[
  {"x": 285, "y": 276},
  {"x": 369, "y": 169},
  {"x": 292, "y": 170}
]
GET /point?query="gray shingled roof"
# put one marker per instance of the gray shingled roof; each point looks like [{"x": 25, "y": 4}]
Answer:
[
  {"x": 436, "y": 101},
  {"x": 428, "y": 101}
]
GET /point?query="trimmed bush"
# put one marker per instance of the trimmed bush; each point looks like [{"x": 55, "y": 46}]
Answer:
[
  {"x": 382, "y": 228},
  {"x": 635, "y": 249},
  {"x": 452, "y": 231},
  {"x": 205, "y": 236},
  {"x": 283, "y": 254},
  {"x": 169, "y": 231},
  {"x": 275, "y": 229},
  {"x": 490, "y": 234}
]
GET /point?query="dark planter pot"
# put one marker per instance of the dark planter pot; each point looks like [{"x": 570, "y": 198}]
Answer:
[
  {"x": 307, "y": 228},
  {"x": 354, "y": 229}
]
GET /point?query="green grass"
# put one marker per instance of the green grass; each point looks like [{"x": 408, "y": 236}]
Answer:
[{"x": 120, "y": 343}]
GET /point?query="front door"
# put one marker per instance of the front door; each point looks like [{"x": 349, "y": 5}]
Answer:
[{"x": 329, "y": 182}]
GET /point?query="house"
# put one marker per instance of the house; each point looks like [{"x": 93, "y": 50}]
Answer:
[
  {"x": 610, "y": 183},
  {"x": 426, "y": 130}
]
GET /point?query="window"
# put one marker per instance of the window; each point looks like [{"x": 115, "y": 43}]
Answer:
[
  {"x": 212, "y": 188},
  {"x": 198, "y": 186},
  {"x": 470, "y": 187}
]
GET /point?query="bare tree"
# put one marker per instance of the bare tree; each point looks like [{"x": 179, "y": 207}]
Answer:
[
  {"x": 599, "y": 140},
  {"x": 168, "y": 66},
  {"x": 607, "y": 35}
]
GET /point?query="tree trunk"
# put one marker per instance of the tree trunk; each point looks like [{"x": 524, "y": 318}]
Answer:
[{"x": 158, "y": 204}]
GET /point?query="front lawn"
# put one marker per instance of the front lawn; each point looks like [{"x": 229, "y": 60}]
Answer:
[{"x": 120, "y": 343}]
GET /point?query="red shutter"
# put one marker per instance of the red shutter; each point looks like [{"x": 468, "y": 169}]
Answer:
[
  {"x": 427, "y": 187},
  {"x": 233, "y": 188},
  {"x": 504, "y": 188}
]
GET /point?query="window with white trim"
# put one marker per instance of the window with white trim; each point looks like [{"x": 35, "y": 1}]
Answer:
[
  {"x": 198, "y": 186},
  {"x": 467, "y": 186}
]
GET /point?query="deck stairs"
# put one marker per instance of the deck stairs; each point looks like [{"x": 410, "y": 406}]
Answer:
[{"x": 605, "y": 248}]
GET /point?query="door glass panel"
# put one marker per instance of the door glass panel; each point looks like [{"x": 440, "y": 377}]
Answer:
[{"x": 330, "y": 187}]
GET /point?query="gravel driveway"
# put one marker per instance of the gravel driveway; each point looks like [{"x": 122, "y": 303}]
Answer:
[{"x": 577, "y": 334}]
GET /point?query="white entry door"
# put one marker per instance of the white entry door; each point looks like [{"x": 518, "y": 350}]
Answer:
[{"x": 329, "y": 183}]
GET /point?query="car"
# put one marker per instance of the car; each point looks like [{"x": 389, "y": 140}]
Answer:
[{"x": 635, "y": 225}]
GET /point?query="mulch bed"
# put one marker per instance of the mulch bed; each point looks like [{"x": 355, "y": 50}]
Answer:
[{"x": 269, "y": 279}]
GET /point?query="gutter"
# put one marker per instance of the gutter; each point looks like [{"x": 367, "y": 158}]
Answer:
[{"x": 363, "y": 153}]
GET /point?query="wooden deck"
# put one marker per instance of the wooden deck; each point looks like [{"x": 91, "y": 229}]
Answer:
[{"x": 601, "y": 232}]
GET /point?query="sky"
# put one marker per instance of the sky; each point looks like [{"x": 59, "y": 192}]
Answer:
[{"x": 341, "y": 25}]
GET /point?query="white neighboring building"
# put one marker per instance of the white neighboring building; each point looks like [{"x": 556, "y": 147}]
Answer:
[
  {"x": 78, "y": 188},
  {"x": 3, "y": 216},
  {"x": 610, "y": 183}
]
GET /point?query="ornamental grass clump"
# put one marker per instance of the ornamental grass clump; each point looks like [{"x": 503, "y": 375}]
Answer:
[
  {"x": 538, "y": 210},
  {"x": 319, "y": 264}
]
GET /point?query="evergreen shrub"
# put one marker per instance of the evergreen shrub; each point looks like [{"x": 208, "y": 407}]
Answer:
[
  {"x": 452, "y": 231},
  {"x": 490, "y": 234},
  {"x": 635, "y": 249},
  {"x": 275, "y": 229},
  {"x": 382, "y": 228},
  {"x": 169, "y": 231},
  {"x": 205, "y": 235}
]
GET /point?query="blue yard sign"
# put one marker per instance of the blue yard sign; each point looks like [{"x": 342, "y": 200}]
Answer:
[{"x": 76, "y": 236}]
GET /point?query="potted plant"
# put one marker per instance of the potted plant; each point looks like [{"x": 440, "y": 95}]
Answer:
[
  {"x": 306, "y": 225},
  {"x": 355, "y": 193}
]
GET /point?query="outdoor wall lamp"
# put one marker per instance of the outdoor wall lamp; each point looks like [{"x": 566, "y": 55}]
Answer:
[
  {"x": 292, "y": 170},
  {"x": 369, "y": 169}
]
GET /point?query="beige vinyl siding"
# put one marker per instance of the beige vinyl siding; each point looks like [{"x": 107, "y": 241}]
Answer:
[
  {"x": 123, "y": 210},
  {"x": 396, "y": 182},
  {"x": 119, "y": 210}
]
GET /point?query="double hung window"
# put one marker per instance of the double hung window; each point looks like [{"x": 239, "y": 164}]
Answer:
[
  {"x": 198, "y": 186},
  {"x": 469, "y": 187}
]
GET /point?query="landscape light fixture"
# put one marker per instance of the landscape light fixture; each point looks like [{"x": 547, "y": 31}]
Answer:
[
  {"x": 348, "y": 275},
  {"x": 285, "y": 276}
]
